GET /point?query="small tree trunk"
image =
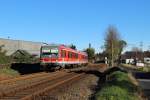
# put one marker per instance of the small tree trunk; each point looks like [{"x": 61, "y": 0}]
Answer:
[{"x": 112, "y": 59}]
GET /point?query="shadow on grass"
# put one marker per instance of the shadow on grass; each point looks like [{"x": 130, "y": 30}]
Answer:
[
  {"x": 26, "y": 68},
  {"x": 142, "y": 75}
]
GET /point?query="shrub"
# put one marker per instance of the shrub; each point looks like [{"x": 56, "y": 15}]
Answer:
[{"x": 112, "y": 92}]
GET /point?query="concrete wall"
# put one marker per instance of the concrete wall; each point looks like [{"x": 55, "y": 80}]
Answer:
[{"x": 12, "y": 45}]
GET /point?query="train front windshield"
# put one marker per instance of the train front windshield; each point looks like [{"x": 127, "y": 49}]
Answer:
[{"x": 50, "y": 52}]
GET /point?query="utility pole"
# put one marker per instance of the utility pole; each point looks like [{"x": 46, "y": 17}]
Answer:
[
  {"x": 89, "y": 45},
  {"x": 141, "y": 47},
  {"x": 112, "y": 54}
]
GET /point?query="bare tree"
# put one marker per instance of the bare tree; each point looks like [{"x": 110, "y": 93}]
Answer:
[{"x": 112, "y": 44}]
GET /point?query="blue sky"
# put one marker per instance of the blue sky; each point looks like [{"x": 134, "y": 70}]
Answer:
[{"x": 75, "y": 21}]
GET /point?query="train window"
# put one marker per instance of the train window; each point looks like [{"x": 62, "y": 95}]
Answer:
[
  {"x": 69, "y": 55},
  {"x": 85, "y": 57},
  {"x": 82, "y": 57},
  {"x": 76, "y": 55},
  {"x": 63, "y": 53},
  {"x": 72, "y": 55}
]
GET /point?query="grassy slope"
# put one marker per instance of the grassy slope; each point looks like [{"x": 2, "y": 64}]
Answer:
[
  {"x": 8, "y": 72},
  {"x": 118, "y": 87}
]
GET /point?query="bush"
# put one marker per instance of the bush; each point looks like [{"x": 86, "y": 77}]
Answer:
[
  {"x": 112, "y": 92},
  {"x": 118, "y": 87},
  {"x": 118, "y": 76}
]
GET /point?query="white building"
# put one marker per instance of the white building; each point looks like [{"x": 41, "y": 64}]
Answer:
[
  {"x": 147, "y": 60},
  {"x": 129, "y": 61}
]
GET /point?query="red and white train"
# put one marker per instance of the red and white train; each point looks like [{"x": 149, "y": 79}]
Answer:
[{"x": 59, "y": 56}]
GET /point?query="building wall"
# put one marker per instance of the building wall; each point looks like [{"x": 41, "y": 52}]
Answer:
[{"x": 12, "y": 45}]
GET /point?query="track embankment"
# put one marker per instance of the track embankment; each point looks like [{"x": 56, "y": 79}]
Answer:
[{"x": 51, "y": 85}]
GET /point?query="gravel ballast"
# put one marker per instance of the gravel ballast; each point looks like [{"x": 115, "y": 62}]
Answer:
[{"x": 82, "y": 89}]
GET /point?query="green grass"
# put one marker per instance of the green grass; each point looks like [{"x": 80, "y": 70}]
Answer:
[
  {"x": 9, "y": 72},
  {"x": 118, "y": 87},
  {"x": 127, "y": 65},
  {"x": 144, "y": 69},
  {"x": 114, "y": 93}
]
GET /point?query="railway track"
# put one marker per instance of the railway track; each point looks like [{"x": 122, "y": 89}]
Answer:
[
  {"x": 21, "y": 78},
  {"x": 20, "y": 81},
  {"x": 29, "y": 87}
]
